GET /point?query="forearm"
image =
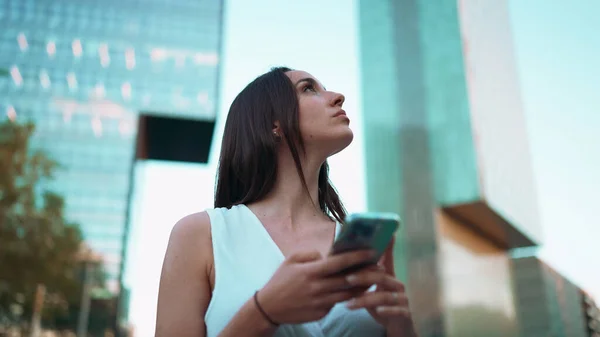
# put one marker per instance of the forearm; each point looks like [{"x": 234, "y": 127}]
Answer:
[{"x": 248, "y": 321}]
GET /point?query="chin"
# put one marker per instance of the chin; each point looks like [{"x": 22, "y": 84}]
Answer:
[{"x": 341, "y": 141}]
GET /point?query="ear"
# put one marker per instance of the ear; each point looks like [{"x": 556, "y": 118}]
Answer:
[
  {"x": 276, "y": 130},
  {"x": 276, "y": 127}
]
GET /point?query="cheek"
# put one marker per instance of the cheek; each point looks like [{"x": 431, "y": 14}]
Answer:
[
  {"x": 310, "y": 128},
  {"x": 311, "y": 120}
]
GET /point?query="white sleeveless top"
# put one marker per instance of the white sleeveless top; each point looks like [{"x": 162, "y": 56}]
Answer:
[{"x": 245, "y": 258}]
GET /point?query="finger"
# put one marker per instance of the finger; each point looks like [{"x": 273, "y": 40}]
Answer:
[
  {"x": 362, "y": 288},
  {"x": 392, "y": 311},
  {"x": 333, "y": 283},
  {"x": 303, "y": 257},
  {"x": 331, "y": 299},
  {"x": 371, "y": 266},
  {"x": 377, "y": 299},
  {"x": 336, "y": 283},
  {"x": 339, "y": 282},
  {"x": 387, "y": 259},
  {"x": 390, "y": 246},
  {"x": 381, "y": 278},
  {"x": 337, "y": 263},
  {"x": 374, "y": 267}
]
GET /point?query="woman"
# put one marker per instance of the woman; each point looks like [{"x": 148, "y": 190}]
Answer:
[{"x": 257, "y": 264}]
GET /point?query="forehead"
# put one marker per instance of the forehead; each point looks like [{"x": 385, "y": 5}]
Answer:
[{"x": 297, "y": 75}]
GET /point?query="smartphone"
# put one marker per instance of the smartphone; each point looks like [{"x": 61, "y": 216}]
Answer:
[{"x": 370, "y": 230}]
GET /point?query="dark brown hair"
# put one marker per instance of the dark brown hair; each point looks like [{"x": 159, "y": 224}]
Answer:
[{"x": 248, "y": 162}]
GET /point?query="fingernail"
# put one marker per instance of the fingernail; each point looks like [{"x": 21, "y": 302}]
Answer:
[
  {"x": 380, "y": 309},
  {"x": 351, "y": 278},
  {"x": 350, "y": 303}
]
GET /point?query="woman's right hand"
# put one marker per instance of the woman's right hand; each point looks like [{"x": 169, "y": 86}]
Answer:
[{"x": 306, "y": 286}]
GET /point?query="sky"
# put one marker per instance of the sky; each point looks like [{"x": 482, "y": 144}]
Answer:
[
  {"x": 558, "y": 59},
  {"x": 557, "y": 49}
]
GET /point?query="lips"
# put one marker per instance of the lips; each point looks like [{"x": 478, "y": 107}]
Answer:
[{"x": 340, "y": 113}]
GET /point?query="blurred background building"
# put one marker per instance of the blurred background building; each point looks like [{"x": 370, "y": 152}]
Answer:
[
  {"x": 84, "y": 72},
  {"x": 441, "y": 90},
  {"x": 130, "y": 97},
  {"x": 546, "y": 301},
  {"x": 592, "y": 315},
  {"x": 460, "y": 161}
]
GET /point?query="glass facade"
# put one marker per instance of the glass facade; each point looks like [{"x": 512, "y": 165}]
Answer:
[
  {"x": 83, "y": 71},
  {"x": 496, "y": 120},
  {"x": 548, "y": 303},
  {"x": 431, "y": 145},
  {"x": 476, "y": 279}
]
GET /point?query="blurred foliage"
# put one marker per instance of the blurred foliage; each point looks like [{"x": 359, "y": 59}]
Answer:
[{"x": 37, "y": 244}]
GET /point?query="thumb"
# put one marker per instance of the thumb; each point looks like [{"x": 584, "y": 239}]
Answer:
[
  {"x": 387, "y": 260},
  {"x": 303, "y": 257}
]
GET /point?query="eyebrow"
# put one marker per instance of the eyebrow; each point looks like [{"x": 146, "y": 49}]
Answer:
[{"x": 311, "y": 81}]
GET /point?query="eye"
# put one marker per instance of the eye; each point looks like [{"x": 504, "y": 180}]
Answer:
[{"x": 309, "y": 87}]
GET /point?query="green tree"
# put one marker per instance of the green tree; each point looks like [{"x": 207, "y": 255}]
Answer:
[{"x": 37, "y": 244}]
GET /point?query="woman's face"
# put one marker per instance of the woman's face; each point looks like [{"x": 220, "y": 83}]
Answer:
[{"x": 322, "y": 121}]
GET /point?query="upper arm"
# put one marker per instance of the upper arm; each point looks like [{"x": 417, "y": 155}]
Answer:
[{"x": 184, "y": 291}]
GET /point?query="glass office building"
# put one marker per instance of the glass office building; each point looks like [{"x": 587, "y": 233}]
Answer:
[
  {"x": 441, "y": 90},
  {"x": 83, "y": 71},
  {"x": 548, "y": 304},
  {"x": 466, "y": 201}
]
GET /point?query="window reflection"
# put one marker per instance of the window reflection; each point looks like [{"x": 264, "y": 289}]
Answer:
[{"x": 81, "y": 71}]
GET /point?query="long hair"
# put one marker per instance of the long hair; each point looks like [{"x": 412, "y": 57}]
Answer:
[{"x": 248, "y": 161}]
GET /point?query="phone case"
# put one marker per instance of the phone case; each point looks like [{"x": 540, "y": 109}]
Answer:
[{"x": 367, "y": 231}]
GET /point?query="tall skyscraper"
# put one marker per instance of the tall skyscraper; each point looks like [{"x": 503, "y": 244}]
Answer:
[
  {"x": 83, "y": 71},
  {"x": 447, "y": 149}
]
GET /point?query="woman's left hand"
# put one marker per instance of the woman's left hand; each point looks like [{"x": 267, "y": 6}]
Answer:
[{"x": 388, "y": 304}]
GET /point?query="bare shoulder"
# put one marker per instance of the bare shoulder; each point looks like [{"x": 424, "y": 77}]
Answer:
[
  {"x": 184, "y": 291},
  {"x": 192, "y": 228},
  {"x": 191, "y": 240}
]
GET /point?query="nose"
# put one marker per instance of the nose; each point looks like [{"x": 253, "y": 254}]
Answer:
[{"x": 337, "y": 99}]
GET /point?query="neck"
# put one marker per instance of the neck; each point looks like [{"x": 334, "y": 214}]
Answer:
[{"x": 289, "y": 200}]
